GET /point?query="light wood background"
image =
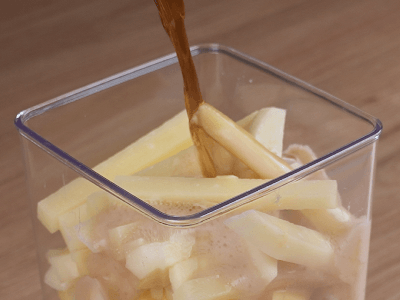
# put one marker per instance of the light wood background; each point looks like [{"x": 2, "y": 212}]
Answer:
[{"x": 349, "y": 48}]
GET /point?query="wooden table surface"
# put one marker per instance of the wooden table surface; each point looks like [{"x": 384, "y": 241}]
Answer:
[{"x": 349, "y": 48}]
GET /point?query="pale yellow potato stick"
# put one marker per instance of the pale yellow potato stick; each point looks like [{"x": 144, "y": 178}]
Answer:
[
  {"x": 331, "y": 221},
  {"x": 52, "y": 279},
  {"x": 304, "y": 155},
  {"x": 247, "y": 121},
  {"x": 268, "y": 128},
  {"x": 183, "y": 164},
  {"x": 186, "y": 162},
  {"x": 80, "y": 257},
  {"x": 183, "y": 190},
  {"x": 95, "y": 204},
  {"x": 146, "y": 259},
  {"x": 182, "y": 272},
  {"x": 283, "y": 240},
  {"x": 206, "y": 192},
  {"x": 62, "y": 201},
  {"x": 301, "y": 152},
  {"x": 266, "y": 265},
  {"x": 119, "y": 236},
  {"x": 68, "y": 221},
  {"x": 239, "y": 142},
  {"x": 170, "y": 138},
  {"x": 65, "y": 267}
]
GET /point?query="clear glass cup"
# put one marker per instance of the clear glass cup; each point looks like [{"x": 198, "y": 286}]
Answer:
[{"x": 212, "y": 249}]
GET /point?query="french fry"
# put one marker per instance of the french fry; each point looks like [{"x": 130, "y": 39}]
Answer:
[
  {"x": 283, "y": 240},
  {"x": 206, "y": 192},
  {"x": 239, "y": 142},
  {"x": 332, "y": 221},
  {"x": 186, "y": 163},
  {"x": 165, "y": 141}
]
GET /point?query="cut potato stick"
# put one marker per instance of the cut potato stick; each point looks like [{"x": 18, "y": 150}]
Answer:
[
  {"x": 239, "y": 142},
  {"x": 182, "y": 272},
  {"x": 65, "y": 267},
  {"x": 186, "y": 163},
  {"x": 166, "y": 140},
  {"x": 68, "y": 221},
  {"x": 170, "y": 138},
  {"x": 298, "y": 278},
  {"x": 52, "y": 279},
  {"x": 95, "y": 204},
  {"x": 268, "y": 127},
  {"x": 183, "y": 164},
  {"x": 119, "y": 236},
  {"x": 266, "y": 265},
  {"x": 351, "y": 259},
  {"x": 81, "y": 259},
  {"x": 304, "y": 155},
  {"x": 331, "y": 221},
  {"x": 146, "y": 259},
  {"x": 206, "y": 192},
  {"x": 283, "y": 240},
  {"x": 62, "y": 201}
]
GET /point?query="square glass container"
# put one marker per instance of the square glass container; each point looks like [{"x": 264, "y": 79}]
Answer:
[{"x": 225, "y": 243}]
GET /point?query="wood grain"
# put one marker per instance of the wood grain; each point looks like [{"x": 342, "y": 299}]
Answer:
[{"x": 349, "y": 48}]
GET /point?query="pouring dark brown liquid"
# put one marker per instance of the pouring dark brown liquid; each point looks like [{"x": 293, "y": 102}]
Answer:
[
  {"x": 172, "y": 14},
  {"x": 251, "y": 152}
]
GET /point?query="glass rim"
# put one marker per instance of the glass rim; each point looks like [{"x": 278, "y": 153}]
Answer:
[{"x": 220, "y": 208}]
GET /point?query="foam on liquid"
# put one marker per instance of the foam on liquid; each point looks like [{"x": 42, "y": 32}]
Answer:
[{"x": 225, "y": 254}]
